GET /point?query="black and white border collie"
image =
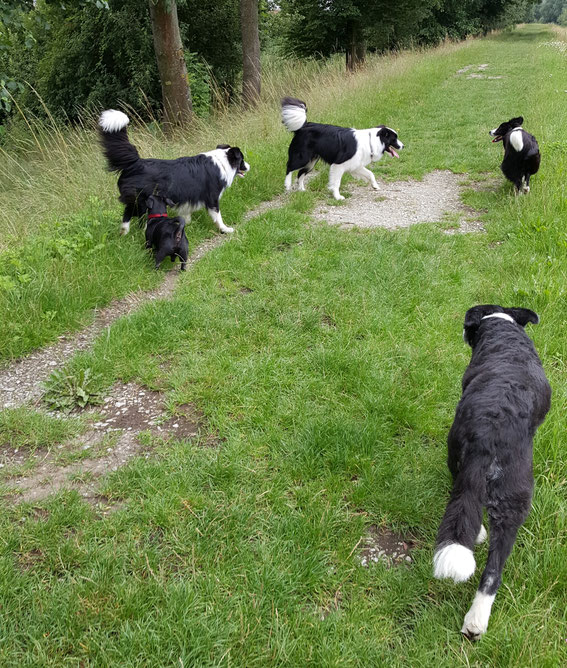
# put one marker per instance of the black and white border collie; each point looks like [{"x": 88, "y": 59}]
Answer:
[
  {"x": 191, "y": 182},
  {"x": 521, "y": 153},
  {"x": 344, "y": 149},
  {"x": 505, "y": 398}
]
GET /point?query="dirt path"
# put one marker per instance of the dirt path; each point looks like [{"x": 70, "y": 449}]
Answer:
[
  {"x": 396, "y": 205},
  {"x": 401, "y": 204},
  {"x": 21, "y": 381}
]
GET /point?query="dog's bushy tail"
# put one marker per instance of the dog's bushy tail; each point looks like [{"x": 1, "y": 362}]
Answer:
[
  {"x": 118, "y": 151},
  {"x": 294, "y": 113},
  {"x": 460, "y": 527}
]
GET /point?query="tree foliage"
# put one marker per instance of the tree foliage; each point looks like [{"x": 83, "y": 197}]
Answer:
[
  {"x": 79, "y": 54},
  {"x": 98, "y": 53},
  {"x": 321, "y": 27},
  {"x": 550, "y": 11}
]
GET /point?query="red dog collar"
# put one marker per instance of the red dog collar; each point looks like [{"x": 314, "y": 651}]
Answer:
[{"x": 157, "y": 215}]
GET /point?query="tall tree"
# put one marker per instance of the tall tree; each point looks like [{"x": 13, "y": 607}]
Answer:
[
  {"x": 171, "y": 64},
  {"x": 355, "y": 46},
  {"x": 251, "y": 70}
]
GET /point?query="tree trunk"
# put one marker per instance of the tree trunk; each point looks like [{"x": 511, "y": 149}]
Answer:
[
  {"x": 175, "y": 91},
  {"x": 251, "y": 72},
  {"x": 356, "y": 48}
]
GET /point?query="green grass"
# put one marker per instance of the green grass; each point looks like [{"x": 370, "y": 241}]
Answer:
[
  {"x": 22, "y": 428},
  {"x": 332, "y": 382}
]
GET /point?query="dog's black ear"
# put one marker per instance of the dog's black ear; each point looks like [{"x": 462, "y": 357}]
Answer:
[
  {"x": 523, "y": 315},
  {"x": 475, "y": 314},
  {"x": 169, "y": 202},
  {"x": 517, "y": 121},
  {"x": 473, "y": 318},
  {"x": 150, "y": 202},
  {"x": 223, "y": 146},
  {"x": 234, "y": 155}
]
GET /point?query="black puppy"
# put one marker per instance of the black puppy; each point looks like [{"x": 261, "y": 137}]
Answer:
[
  {"x": 505, "y": 398},
  {"x": 521, "y": 153},
  {"x": 166, "y": 235}
]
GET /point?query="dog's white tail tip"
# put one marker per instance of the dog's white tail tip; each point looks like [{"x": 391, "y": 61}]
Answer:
[
  {"x": 113, "y": 120},
  {"x": 454, "y": 561},
  {"x": 293, "y": 115}
]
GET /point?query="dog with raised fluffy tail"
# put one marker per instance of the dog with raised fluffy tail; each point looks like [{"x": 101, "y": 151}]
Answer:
[
  {"x": 505, "y": 397},
  {"x": 191, "y": 183},
  {"x": 344, "y": 149},
  {"x": 521, "y": 153}
]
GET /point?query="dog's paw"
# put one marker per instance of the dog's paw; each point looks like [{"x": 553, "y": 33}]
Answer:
[
  {"x": 482, "y": 534},
  {"x": 476, "y": 619},
  {"x": 473, "y": 629},
  {"x": 338, "y": 197},
  {"x": 227, "y": 230},
  {"x": 124, "y": 228},
  {"x": 376, "y": 186}
]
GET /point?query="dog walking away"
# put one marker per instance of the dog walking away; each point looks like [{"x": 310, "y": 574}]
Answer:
[
  {"x": 165, "y": 235},
  {"x": 505, "y": 397},
  {"x": 344, "y": 149},
  {"x": 521, "y": 153},
  {"x": 191, "y": 182}
]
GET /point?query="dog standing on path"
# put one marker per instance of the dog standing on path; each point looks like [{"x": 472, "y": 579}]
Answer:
[
  {"x": 164, "y": 234},
  {"x": 506, "y": 396},
  {"x": 344, "y": 149},
  {"x": 192, "y": 182}
]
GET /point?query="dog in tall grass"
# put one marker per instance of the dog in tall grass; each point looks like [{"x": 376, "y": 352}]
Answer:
[
  {"x": 191, "y": 183},
  {"x": 521, "y": 153},
  {"x": 505, "y": 397},
  {"x": 164, "y": 234},
  {"x": 344, "y": 149}
]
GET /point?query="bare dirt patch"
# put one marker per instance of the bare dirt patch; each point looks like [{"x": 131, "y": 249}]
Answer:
[
  {"x": 380, "y": 544},
  {"x": 109, "y": 443},
  {"x": 479, "y": 74},
  {"x": 398, "y": 204}
]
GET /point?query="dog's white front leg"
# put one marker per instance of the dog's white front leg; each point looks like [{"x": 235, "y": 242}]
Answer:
[
  {"x": 476, "y": 619},
  {"x": 287, "y": 182},
  {"x": 335, "y": 175},
  {"x": 368, "y": 176},
  {"x": 217, "y": 218}
]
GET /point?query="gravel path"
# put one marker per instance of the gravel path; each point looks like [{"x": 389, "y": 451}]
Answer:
[{"x": 398, "y": 204}]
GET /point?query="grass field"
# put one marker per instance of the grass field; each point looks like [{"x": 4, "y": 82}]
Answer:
[{"x": 328, "y": 363}]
